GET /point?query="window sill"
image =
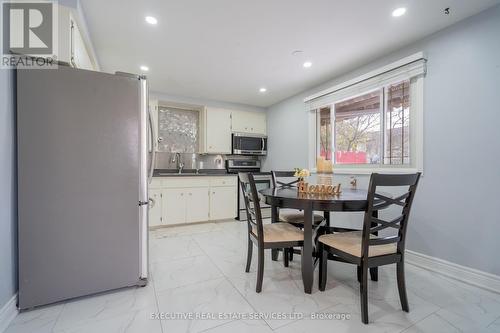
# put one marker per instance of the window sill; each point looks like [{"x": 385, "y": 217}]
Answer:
[{"x": 367, "y": 171}]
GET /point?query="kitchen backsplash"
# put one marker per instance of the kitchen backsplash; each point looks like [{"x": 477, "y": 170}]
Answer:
[
  {"x": 196, "y": 161},
  {"x": 191, "y": 161}
]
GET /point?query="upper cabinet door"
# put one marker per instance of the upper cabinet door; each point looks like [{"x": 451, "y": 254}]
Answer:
[
  {"x": 249, "y": 122},
  {"x": 80, "y": 57},
  {"x": 259, "y": 123},
  {"x": 217, "y": 125}
]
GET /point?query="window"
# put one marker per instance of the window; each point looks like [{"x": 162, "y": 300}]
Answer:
[
  {"x": 357, "y": 129},
  {"x": 371, "y": 126},
  {"x": 325, "y": 133},
  {"x": 397, "y": 124},
  {"x": 365, "y": 132}
]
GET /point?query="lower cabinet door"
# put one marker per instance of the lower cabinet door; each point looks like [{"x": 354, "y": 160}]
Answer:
[
  {"x": 174, "y": 206},
  {"x": 155, "y": 207},
  {"x": 197, "y": 204},
  {"x": 223, "y": 201}
]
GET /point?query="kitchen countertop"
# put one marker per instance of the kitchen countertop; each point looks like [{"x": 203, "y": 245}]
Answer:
[{"x": 191, "y": 173}]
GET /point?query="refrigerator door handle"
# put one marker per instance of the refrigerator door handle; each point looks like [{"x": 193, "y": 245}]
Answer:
[
  {"x": 153, "y": 145},
  {"x": 143, "y": 192}
]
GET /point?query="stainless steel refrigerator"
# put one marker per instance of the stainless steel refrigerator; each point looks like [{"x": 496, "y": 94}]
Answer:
[{"x": 83, "y": 167}]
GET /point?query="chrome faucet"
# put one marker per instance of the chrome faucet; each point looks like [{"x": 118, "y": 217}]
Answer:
[{"x": 179, "y": 164}]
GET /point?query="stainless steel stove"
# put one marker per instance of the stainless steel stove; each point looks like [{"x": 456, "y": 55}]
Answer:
[{"x": 263, "y": 180}]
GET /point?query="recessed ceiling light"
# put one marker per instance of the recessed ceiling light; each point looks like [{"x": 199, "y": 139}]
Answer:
[
  {"x": 144, "y": 68},
  {"x": 307, "y": 64},
  {"x": 399, "y": 12},
  {"x": 262, "y": 90},
  {"x": 151, "y": 20}
]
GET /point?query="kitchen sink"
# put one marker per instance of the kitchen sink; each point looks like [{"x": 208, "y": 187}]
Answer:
[{"x": 170, "y": 174}]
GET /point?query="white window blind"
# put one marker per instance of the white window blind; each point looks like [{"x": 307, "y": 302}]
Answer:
[{"x": 404, "y": 69}]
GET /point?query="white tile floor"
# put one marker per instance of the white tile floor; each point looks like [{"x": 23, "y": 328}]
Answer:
[{"x": 200, "y": 269}]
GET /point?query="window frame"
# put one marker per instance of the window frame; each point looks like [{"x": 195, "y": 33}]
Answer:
[{"x": 416, "y": 133}]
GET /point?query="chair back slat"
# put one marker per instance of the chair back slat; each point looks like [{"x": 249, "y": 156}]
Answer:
[
  {"x": 381, "y": 224},
  {"x": 384, "y": 240},
  {"x": 282, "y": 183},
  {"x": 379, "y": 179},
  {"x": 390, "y": 201},
  {"x": 252, "y": 204},
  {"x": 377, "y": 201}
]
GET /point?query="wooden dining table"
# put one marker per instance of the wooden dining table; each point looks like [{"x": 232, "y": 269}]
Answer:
[{"x": 347, "y": 201}]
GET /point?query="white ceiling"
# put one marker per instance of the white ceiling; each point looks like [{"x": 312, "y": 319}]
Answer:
[{"x": 227, "y": 49}]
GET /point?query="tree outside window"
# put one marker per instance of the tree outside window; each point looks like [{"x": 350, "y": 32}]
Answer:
[{"x": 365, "y": 130}]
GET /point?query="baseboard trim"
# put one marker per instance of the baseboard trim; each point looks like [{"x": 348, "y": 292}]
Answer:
[
  {"x": 8, "y": 312},
  {"x": 461, "y": 273}
]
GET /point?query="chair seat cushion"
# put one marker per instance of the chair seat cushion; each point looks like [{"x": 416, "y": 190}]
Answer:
[
  {"x": 297, "y": 217},
  {"x": 350, "y": 242},
  {"x": 280, "y": 232}
]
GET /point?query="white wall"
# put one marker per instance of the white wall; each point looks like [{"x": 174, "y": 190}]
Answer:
[
  {"x": 8, "y": 210},
  {"x": 455, "y": 211},
  {"x": 204, "y": 102}
]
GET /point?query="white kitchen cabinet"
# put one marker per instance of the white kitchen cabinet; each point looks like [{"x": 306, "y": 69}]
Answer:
[
  {"x": 80, "y": 57},
  {"x": 74, "y": 44},
  {"x": 155, "y": 207},
  {"x": 215, "y": 131},
  {"x": 259, "y": 123},
  {"x": 185, "y": 182},
  {"x": 156, "y": 183},
  {"x": 179, "y": 200},
  {"x": 185, "y": 205},
  {"x": 217, "y": 125},
  {"x": 223, "y": 202},
  {"x": 248, "y": 122},
  {"x": 174, "y": 206},
  {"x": 197, "y": 208},
  {"x": 185, "y": 199},
  {"x": 223, "y": 181}
]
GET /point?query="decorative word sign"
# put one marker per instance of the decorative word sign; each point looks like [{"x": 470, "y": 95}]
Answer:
[{"x": 304, "y": 187}]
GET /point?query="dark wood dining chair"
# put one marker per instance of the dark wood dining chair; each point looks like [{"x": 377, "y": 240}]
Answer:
[
  {"x": 367, "y": 250},
  {"x": 287, "y": 179},
  {"x": 264, "y": 236},
  {"x": 295, "y": 217}
]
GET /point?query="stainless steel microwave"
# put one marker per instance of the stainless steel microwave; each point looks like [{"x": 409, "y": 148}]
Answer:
[{"x": 249, "y": 144}]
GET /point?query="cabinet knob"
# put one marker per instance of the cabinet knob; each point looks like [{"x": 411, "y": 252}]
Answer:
[
  {"x": 190, "y": 193},
  {"x": 182, "y": 194}
]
